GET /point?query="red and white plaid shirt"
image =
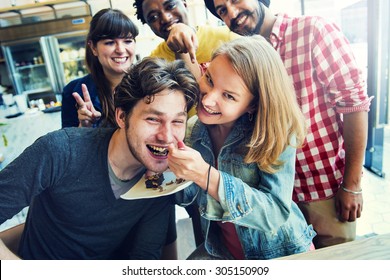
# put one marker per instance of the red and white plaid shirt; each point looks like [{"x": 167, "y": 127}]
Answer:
[{"x": 328, "y": 83}]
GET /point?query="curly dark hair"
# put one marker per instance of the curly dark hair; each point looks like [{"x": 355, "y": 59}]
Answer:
[
  {"x": 152, "y": 75},
  {"x": 138, "y": 10}
]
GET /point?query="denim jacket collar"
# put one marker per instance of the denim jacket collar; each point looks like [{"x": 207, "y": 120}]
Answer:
[{"x": 240, "y": 129}]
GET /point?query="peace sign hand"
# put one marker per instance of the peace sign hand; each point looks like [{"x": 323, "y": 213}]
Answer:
[{"x": 86, "y": 113}]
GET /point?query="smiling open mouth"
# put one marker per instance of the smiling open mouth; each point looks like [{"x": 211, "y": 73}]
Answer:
[
  {"x": 158, "y": 151},
  {"x": 120, "y": 59},
  {"x": 211, "y": 112},
  {"x": 238, "y": 22},
  {"x": 241, "y": 19}
]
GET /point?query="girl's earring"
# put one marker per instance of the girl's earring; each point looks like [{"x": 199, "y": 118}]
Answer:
[{"x": 250, "y": 116}]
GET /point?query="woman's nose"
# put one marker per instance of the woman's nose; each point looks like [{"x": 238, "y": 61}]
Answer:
[
  {"x": 120, "y": 47},
  {"x": 208, "y": 99}
]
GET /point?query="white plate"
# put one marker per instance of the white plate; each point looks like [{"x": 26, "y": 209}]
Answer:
[{"x": 139, "y": 190}]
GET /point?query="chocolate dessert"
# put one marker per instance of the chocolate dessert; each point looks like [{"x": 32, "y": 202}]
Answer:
[{"x": 154, "y": 181}]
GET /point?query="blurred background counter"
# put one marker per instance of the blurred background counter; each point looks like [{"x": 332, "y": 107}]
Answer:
[{"x": 18, "y": 133}]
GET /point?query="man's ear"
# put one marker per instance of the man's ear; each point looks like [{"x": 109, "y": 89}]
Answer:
[{"x": 120, "y": 117}]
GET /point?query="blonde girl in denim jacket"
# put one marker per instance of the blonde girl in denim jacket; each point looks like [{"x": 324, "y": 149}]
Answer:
[{"x": 240, "y": 154}]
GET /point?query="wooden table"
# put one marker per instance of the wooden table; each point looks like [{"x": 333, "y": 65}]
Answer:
[{"x": 372, "y": 248}]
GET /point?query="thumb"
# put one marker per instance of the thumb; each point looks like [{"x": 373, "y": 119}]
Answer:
[
  {"x": 172, "y": 150},
  {"x": 96, "y": 114}
]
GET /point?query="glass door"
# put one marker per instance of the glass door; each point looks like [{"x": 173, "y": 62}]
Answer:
[
  {"x": 26, "y": 65},
  {"x": 378, "y": 85},
  {"x": 72, "y": 55},
  {"x": 67, "y": 54}
]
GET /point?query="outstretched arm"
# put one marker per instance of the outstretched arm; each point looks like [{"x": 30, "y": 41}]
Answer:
[{"x": 262, "y": 202}]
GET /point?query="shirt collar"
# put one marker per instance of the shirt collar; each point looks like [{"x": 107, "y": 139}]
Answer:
[
  {"x": 278, "y": 30},
  {"x": 240, "y": 129}
]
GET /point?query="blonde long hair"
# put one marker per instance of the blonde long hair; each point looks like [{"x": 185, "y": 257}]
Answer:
[{"x": 278, "y": 120}]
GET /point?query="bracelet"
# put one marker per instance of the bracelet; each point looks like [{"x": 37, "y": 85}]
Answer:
[
  {"x": 208, "y": 179},
  {"x": 352, "y": 192}
]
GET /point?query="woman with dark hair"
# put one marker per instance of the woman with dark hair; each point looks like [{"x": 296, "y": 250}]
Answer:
[{"x": 110, "y": 51}]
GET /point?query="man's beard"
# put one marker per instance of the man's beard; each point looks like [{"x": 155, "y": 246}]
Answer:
[{"x": 247, "y": 31}]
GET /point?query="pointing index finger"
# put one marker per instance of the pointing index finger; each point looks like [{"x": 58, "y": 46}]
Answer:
[{"x": 193, "y": 48}]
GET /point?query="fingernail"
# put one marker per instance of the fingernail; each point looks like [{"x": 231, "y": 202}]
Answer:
[{"x": 180, "y": 145}]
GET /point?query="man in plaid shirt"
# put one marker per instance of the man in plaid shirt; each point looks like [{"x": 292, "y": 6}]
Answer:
[{"x": 332, "y": 95}]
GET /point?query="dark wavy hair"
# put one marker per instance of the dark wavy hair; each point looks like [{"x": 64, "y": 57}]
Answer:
[
  {"x": 106, "y": 24},
  {"x": 152, "y": 75}
]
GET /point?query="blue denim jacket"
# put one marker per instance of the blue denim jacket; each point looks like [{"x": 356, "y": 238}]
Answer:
[{"x": 269, "y": 224}]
